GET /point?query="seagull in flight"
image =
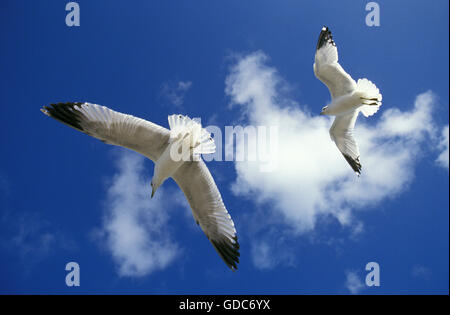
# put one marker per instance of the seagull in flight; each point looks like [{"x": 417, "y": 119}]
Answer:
[
  {"x": 348, "y": 98},
  {"x": 175, "y": 152}
]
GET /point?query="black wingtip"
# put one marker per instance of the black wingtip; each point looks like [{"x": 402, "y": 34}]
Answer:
[
  {"x": 65, "y": 113},
  {"x": 325, "y": 37},
  {"x": 228, "y": 251},
  {"x": 354, "y": 163}
]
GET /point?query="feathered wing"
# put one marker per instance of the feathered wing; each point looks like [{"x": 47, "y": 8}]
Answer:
[
  {"x": 328, "y": 70},
  {"x": 341, "y": 133},
  {"x": 112, "y": 127},
  {"x": 208, "y": 209}
]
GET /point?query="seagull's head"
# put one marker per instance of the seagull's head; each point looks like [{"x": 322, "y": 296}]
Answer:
[{"x": 324, "y": 110}]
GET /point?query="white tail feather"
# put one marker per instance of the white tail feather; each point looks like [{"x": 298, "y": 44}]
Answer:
[
  {"x": 371, "y": 97},
  {"x": 182, "y": 126}
]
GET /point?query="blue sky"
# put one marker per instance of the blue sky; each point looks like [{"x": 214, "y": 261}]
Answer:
[{"x": 156, "y": 58}]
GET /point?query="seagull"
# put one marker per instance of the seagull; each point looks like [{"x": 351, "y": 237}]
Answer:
[
  {"x": 175, "y": 152},
  {"x": 348, "y": 98}
]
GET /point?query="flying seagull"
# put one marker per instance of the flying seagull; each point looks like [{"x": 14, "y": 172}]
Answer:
[
  {"x": 176, "y": 153},
  {"x": 348, "y": 98}
]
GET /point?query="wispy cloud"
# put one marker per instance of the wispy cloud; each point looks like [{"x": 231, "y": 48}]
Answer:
[
  {"x": 175, "y": 92},
  {"x": 353, "y": 283},
  {"x": 266, "y": 255},
  {"x": 312, "y": 179},
  {"x": 27, "y": 235},
  {"x": 421, "y": 272},
  {"x": 30, "y": 238},
  {"x": 443, "y": 146},
  {"x": 34, "y": 237},
  {"x": 135, "y": 228}
]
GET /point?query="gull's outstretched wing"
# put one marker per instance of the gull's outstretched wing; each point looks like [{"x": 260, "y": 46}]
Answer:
[
  {"x": 328, "y": 70},
  {"x": 341, "y": 133},
  {"x": 208, "y": 209},
  {"x": 112, "y": 127}
]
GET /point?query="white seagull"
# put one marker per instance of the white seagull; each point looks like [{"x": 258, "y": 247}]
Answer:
[
  {"x": 176, "y": 153},
  {"x": 348, "y": 98}
]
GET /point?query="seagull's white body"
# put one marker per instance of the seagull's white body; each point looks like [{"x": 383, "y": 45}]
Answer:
[
  {"x": 165, "y": 166},
  {"x": 348, "y": 98},
  {"x": 344, "y": 104},
  {"x": 176, "y": 153},
  {"x": 186, "y": 142}
]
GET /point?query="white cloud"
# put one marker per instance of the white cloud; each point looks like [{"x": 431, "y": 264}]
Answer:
[
  {"x": 266, "y": 255},
  {"x": 135, "y": 227},
  {"x": 175, "y": 93},
  {"x": 353, "y": 283},
  {"x": 313, "y": 179},
  {"x": 262, "y": 255},
  {"x": 443, "y": 146}
]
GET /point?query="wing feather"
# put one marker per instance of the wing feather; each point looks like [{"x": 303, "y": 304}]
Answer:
[
  {"x": 341, "y": 133},
  {"x": 208, "y": 209},
  {"x": 112, "y": 127},
  {"x": 327, "y": 68}
]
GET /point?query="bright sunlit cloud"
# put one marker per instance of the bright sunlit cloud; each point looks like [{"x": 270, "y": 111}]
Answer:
[{"x": 312, "y": 178}]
